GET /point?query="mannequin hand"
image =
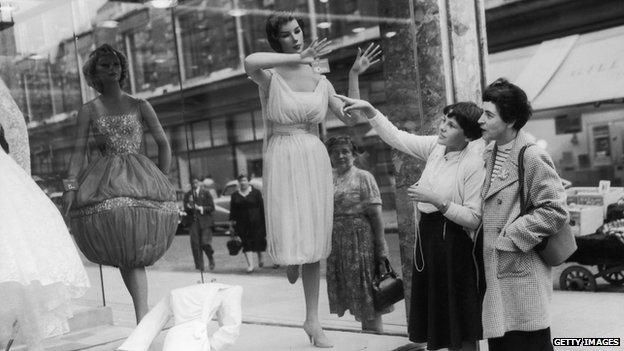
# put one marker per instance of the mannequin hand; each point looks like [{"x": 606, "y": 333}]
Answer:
[
  {"x": 315, "y": 50},
  {"x": 365, "y": 59},
  {"x": 356, "y": 105}
]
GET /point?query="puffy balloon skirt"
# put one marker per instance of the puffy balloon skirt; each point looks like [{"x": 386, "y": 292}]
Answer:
[{"x": 125, "y": 213}]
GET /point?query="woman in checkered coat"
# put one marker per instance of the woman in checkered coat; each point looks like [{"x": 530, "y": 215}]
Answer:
[{"x": 516, "y": 306}]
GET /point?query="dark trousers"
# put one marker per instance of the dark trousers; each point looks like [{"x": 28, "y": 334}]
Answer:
[
  {"x": 201, "y": 242},
  {"x": 515, "y": 340}
]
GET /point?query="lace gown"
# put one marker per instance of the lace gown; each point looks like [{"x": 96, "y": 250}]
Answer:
[
  {"x": 40, "y": 270},
  {"x": 125, "y": 213},
  {"x": 297, "y": 173}
]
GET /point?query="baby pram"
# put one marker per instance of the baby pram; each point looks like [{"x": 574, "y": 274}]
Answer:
[{"x": 600, "y": 249}]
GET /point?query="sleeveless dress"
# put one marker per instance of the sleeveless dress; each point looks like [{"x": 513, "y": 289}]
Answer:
[
  {"x": 40, "y": 269},
  {"x": 297, "y": 174},
  {"x": 125, "y": 213}
]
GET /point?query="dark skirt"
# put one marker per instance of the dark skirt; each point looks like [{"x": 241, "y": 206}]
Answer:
[
  {"x": 445, "y": 306},
  {"x": 253, "y": 236}
]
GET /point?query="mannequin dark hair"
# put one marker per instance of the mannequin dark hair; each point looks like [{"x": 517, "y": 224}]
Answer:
[
  {"x": 88, "y": 69},
  {"x": 273, "y": 25}
]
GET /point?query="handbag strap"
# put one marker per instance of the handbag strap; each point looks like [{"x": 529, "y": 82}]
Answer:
[
  {"x": 523, "y": 202},
  {"x": 389, "y": 269}
]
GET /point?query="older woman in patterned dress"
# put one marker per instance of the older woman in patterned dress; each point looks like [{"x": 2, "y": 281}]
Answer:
[{"x": 358, "y": 243}]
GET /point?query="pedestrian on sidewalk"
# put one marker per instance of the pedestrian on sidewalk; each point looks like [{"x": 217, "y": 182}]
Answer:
[
  {"x": 445, "y": 301},
  {"x": 199, "y": 205},
  {"x": 247, "y": 220},
  {"x": 516, "y": 307},
  {"x": 359, "y": 248}
]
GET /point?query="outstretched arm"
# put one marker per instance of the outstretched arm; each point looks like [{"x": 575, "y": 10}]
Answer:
[
  {"x": 157, "y": 132},
  {"x": 257, "y": 63},
  {"x": 419, "y": 146},
  {"x": 363, "y": 61}
]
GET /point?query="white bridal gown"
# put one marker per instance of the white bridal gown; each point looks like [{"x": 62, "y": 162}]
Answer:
[{"x": 40, "y": 270}]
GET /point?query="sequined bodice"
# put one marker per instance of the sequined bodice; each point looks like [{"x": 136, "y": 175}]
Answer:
[{"x": 119, "y": 134}]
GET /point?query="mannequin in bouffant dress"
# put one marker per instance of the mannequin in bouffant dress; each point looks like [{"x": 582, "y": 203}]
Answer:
[{"x": 199, "y": 207}]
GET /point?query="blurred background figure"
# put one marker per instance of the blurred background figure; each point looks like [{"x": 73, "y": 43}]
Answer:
[
  {"x": 199, "y": 205},
  {"x": 358, "y": 243},
  {"x": 247, "y": 220}
]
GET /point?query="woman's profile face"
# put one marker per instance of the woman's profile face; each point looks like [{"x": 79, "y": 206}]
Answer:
[
  {"x": 450, "y": 133},
  {"x": 108, "y": 68},
  {"x": 342, "y": 157},
  {"x": 290, "y": 37}
]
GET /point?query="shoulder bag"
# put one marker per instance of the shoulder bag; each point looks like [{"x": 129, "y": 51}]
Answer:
[{"x": 559, "y": 246}]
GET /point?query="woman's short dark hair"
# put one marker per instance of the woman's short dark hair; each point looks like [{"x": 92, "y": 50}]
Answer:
[
  {"x": 88, "y": 69},
  {"x": 273, "y": 25},
  {"x": 511, "y": 101},
  {"x": 467, "y": 115},
  {"x": 341, "y": 140},
  {"x": 241, "y": 176}
]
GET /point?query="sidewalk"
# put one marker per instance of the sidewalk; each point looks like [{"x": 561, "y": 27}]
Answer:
[{"x": 273, "y": 311}]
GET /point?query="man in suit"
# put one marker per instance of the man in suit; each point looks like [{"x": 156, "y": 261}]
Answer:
[{"x": 199, "y": 206}]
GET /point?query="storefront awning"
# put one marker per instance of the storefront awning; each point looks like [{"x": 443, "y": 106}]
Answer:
[{"x": 574, "y": 70}]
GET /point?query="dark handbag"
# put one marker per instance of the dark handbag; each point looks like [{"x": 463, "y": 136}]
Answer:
[
  {"x": 558, "y": 247},
  {"x": 234, "y": 245},
  {"x": 387, "y": 288}
]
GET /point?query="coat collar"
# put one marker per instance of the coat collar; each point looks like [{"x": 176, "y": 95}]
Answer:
[{"x": 509, "y": 170}]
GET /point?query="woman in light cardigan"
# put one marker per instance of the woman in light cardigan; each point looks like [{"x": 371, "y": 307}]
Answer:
[{"x": 445, "y": 301}]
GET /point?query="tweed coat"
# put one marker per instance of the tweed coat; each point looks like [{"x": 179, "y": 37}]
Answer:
[{"x": 518, "y": 282}]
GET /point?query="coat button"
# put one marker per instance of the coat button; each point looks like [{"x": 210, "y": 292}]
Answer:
[{"x": 499, "y": 201}]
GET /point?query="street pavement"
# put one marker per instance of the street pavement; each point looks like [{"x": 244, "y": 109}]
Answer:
[{"x": 273, "y": 309}]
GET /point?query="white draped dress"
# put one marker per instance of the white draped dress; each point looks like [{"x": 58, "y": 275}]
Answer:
[{"x": 297, "y": 175}]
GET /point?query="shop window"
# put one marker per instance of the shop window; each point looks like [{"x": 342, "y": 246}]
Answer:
[
  {"x": 567, "y": 124},
  {"x": 153, "y": 58},
  {"x": 219, "y": 132},
  {"x": 258, "y": 124},
  {"x": 201, "y": 135},
  {"x": 243, "y": 127},
  {"x": 209, "y": 42}
]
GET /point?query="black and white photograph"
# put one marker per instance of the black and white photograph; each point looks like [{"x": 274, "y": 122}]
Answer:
[{"x": 284, "y": 175}]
